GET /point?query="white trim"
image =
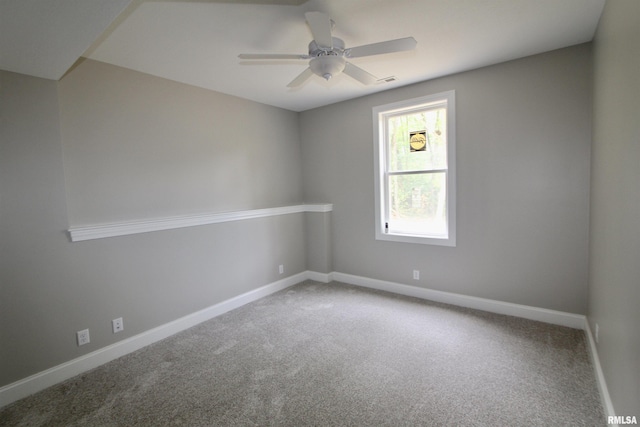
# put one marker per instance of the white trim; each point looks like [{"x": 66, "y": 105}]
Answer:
[
  {"x": 324, "y": 207},
  {"x": 99, "y": 231},
  {"x": 37, "y": 382},
  {"x": 571, "y": 320},
  {"x": 602, "y": 384},
  {"x": 561, "y": 318},
  {"x": 320, "y": 277},
  {"x": 381, "y": 191}
]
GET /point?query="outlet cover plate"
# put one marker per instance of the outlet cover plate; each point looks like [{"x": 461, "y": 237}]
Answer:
[
  {"x": 118, "y": 325},
  {"x": 83, "y": 337}
]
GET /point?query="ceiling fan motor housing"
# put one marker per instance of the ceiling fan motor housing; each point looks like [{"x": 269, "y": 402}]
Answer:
[{"x": 336, "y": 49}]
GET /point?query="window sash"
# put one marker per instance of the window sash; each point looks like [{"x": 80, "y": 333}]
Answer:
[
  {"x": 382, "y": 115},
  {"x": 415, "y": 172},
  {"x": 424, "y": 225},
  {"x": 387, "y": 116}
]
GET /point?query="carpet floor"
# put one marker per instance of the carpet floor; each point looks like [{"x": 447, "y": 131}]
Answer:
[{"x": 336, "y": 355}]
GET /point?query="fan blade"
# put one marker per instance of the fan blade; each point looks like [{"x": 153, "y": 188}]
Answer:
[
  {"x": 398, "y": 45},
  {"x": 320, "y": 25},
  {"x": 359, "y": 74},
  {"x": 271, "y": 56},
  {"x": 301, "y": 78}
]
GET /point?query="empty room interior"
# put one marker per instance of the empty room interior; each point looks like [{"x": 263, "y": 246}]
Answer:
[{"x": 171, "y": 166}]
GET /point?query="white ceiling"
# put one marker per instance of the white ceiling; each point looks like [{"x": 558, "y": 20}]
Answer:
[
  {"x": 197, "y": 41},
  {"x": 44, "y": 38}
]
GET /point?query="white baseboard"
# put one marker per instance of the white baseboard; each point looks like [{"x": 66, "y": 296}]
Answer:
[
  {"x": 571, "y": 320},
  {"x": 37, "y": 382},
  {"x": 34, "y": 383},
  {"x": 320, "y": 277},
  {"x": 602, "y": 384},
  {"x": 576, "y": 321}
]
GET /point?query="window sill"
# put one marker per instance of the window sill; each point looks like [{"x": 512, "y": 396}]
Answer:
[{"x": 423, "y": 240}]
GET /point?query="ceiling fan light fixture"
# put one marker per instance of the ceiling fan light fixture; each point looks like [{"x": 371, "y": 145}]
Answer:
[{"x": 327, "y": 66}]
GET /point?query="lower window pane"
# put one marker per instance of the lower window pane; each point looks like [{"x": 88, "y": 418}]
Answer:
[{"x": 418, "y": 204}]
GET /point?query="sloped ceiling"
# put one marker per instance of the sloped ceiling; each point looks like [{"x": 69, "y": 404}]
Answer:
[
  {"x": 44, "y": 38},
  {"x": 198, "y": 41}
]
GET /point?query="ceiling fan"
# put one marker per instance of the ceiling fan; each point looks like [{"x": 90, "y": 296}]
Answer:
[{"x": 328, "y": 54}]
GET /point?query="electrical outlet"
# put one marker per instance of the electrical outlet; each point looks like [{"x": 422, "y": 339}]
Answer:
[
  {"x": 281, "y": 268},
  {"x": 83, "y": 337},
  {"x": 597, "y": 332},
  {"x": 118, "y": 325},
  {"x": 416, "y": 274}
]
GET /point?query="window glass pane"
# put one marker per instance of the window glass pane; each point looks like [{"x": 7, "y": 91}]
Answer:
[
  {"x": 417, "y": 141},
  {"x": 418, "y": 204}
]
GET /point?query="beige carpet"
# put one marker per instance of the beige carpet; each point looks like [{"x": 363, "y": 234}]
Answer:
[{"x": 333, "y": 354}]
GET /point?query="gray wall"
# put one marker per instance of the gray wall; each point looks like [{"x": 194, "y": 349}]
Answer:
[
  {"x": 523, "y": 149},
  {"x": 523, "y": 198},
  {"x": 117, "y": 149},
  {"x": 614, "y": 292},
  {"x": 319, "y": 246},
  {"x": 36, "y": 298},
  {"x": 137, "y": 146}
]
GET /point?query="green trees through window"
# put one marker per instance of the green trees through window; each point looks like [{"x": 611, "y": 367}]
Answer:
[
  {"x": 417, "y": 181},
  {"x": 414, "y": 148}
]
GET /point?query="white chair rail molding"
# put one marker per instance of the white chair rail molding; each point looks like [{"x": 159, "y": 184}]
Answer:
[{"x": 99, "y": 231}]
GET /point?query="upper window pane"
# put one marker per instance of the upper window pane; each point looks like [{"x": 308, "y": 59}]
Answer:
[{"x": 417, "y": 141}]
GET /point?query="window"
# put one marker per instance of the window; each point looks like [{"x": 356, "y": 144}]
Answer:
[{"x": 415, "y": 170}]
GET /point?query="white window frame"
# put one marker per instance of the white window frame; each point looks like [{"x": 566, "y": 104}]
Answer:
[{"x": 380, "y": 115}]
